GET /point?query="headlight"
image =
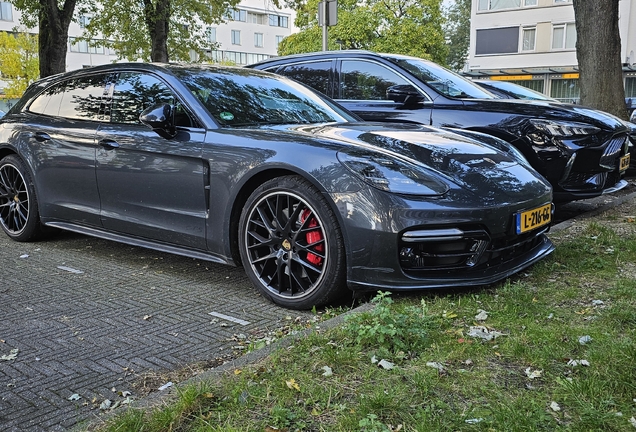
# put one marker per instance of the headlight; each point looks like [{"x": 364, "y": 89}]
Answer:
[
  {"x": 560, "y": 129},
  {"x": 392, "y": 175}
]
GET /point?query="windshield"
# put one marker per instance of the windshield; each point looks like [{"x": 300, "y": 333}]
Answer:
[
  {"x": 519, "y": 91},
  {"x": 239, "y": 98},
  {"x": 444, "y": 81}
]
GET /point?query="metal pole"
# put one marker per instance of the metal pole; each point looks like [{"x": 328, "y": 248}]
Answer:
[{"x": 325, "y": 21}]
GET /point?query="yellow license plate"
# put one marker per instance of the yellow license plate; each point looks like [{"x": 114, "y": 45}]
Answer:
[
  {"x": 624, "y": 162},
  {"x": 535, "y": 218}
]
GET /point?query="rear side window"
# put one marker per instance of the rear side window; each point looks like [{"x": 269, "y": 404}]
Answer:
[
  {"x": 314, "y": 74},
  {"x": 363, "y": 80},
  {"x": 79, "y": 99}
]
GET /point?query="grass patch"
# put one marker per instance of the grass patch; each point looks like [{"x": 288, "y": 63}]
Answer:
[{"x": 563, "y": 359}]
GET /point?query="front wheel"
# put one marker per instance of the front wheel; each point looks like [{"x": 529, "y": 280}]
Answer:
[
  {"x": 19, "y": 216},
  {"x": 291, "y": 244}
]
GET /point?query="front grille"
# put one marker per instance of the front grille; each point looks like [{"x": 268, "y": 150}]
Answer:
[
  {"x": 609, "y": 159},
  {"x": 584, "y": 181},
  {"x": 473, "y": 251}
]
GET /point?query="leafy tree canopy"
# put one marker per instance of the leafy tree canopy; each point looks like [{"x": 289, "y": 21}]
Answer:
[
  {"x": 19, "y": 64},
  {"x": 408, "y": 27},
  {"x": 126, "y": 25},
  {"x": 457, "y": 30}
]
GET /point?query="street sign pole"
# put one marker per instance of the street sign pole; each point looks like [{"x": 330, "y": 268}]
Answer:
[{"x": 325, "y": 24}]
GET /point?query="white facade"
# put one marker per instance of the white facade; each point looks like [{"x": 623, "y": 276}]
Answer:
[
  {"x": 254, "y": 35},
  {"x": 532, "y": 42}
]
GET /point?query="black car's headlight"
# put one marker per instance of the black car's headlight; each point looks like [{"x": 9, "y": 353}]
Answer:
[
  {"x": 560, "y": 130},
  {"x": 390, "y": 174}
]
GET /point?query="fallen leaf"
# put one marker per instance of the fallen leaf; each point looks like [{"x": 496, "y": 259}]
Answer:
[
  {"x": 533, "y": 374},
  {"x": 105, "y": 405},
  {"x": 384, "y": 364},
  {"x": 555, "y": 406},
  {"x": 633, "y": 421},
  {"x": 11, "y": 356},
  {"x": 237, "y": 371},
  {"x": 436, "y": 365},
  {"x": 449, "y": 315},
  {"x": 585, "y": 339},
  {"x": 292, "y": 384},
  {"x": 327, "y": 371},
  {"x": 314, "y": 412},
  {"x": 482, "y": 315}
]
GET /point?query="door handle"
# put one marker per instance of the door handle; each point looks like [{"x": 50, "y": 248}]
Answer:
[
  {"x": 109, "y": 144},
  {"x": 41, "y": 136}
]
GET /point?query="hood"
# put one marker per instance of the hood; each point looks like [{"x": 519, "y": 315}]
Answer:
[
  {"x": 549, "y": 111},
  {"x": 468, "y": 163}
]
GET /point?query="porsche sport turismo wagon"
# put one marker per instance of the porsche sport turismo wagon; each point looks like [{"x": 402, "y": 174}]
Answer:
[
  {"x": 581, "y": 151},
  {"x": 239, "y": 166}
]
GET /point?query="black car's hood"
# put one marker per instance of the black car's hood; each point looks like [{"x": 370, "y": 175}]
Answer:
[
  {"x": 548, "y": 110},
  {"x": 468, "y": 163}
]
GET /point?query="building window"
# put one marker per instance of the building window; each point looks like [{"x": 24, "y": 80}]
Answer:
[
  {"x": 236, "y": 37},
  {"x": 84, "y": 20},
  {"x": 258, "y": 40},
  {"x": 237, "y": 15},
  {"x": 564, "y": 36},
  {"x": 278, "y": 21},
  {"x": 498, "y": 4},
  {"x": 497, "y": 41},
  {"x": 630, "y": 87},
  {"x": 529, "y": 2},
  {"x": 279, "y": 39},
  {"x": 565, "y": 90},
  {"x": 529, "y": 35},
  {"x": 562, "y": 1},
  {"x": 84, "y": 46},
  {"x": 256, "y": 18},
  {"x": 6, "y": 12},
  {"x": 210, "y": 34}
]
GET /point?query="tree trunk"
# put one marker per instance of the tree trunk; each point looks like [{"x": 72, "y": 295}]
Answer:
[
  {"x": 157, "y": 20},
  {"x": 53, "y": 35},
  {"x": 598, "y": 51}
]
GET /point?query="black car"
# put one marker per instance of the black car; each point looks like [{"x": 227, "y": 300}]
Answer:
[
  {"x": 508, "y": 90},
  {"x": 234, "y": 166},
  {"x": 582, "y": 152}
]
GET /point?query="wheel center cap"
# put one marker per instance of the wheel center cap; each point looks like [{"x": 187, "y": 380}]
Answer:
[
  {"x": 16, "y": 199},
  {"x": 286, "y": 245}
]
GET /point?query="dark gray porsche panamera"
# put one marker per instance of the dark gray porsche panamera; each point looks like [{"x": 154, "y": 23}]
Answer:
[{"x": 239, "y": 166}]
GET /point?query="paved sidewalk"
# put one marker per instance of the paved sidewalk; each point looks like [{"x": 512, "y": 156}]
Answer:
[{"x": 88, "y": 315}]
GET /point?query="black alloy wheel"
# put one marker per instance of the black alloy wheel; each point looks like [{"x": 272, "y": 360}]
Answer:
[
  {"x": 19, "y": 216},
  {"x": 291, "y": 245}
]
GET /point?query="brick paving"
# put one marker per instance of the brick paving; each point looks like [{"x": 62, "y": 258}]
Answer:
[{"x": 85, "y": 333}]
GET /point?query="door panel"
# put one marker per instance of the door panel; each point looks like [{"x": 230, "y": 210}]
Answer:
[{"x": 150, "y": 187}]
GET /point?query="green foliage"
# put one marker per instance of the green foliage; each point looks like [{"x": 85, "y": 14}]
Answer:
[
  {"x": 125, "y": 26},
  {"x": 397, "y": 26},
  {"x": 457, "y": 30},
  {"x": 389, "y": 329},
  {"x": 371, "y": 424},
  {"x": 19, "y": 64}
]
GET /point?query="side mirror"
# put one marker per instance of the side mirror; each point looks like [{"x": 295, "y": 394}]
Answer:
[
  {"x": 404, "y": 93},
  {"x": 159, "y": 119}
]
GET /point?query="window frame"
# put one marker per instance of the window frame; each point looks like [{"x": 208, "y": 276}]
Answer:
[
  {"x": 235, "y": 37},
  {"x": 522, "y": 39},
  {"x": 258, "y": 41},
  {"x": 564, "y": 40}
]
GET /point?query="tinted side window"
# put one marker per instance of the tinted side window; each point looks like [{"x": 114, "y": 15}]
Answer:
[
  {"x": 134, "y": 92},
  {"x": 82, "y": 98},
  {"x": 315, "y": 74},
  {"x": 362, "y": 80},
  {"x": 49, "y": 101}
]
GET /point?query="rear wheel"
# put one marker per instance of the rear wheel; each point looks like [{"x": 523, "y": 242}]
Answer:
[
  {"x": 291, "y": 245},
  {"x": 19, "y": 216}
]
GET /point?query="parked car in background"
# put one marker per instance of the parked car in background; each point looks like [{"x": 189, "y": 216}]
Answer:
[
  {"x": 582, "y": 152},
  {"x": 234, "y": 166},
  {"x": 508, "y": 90}
]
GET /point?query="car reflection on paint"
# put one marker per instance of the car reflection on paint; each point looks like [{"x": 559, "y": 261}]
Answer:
[{"x": 245, "y": 167}]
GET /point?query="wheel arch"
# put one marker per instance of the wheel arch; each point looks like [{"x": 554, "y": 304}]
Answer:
[{"x": 249, "y": 186}]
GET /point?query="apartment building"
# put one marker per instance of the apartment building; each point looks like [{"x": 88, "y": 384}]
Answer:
[
  {"x": 533, "y": 43},
  {"x": 251, "y": 33}
]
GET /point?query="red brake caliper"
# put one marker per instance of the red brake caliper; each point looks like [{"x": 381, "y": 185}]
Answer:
[{"x": 313, "y": 237}]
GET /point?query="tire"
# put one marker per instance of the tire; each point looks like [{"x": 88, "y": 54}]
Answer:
[
  {"x": 19, "y": 214},
  {"x": 291, "y": 244}
]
